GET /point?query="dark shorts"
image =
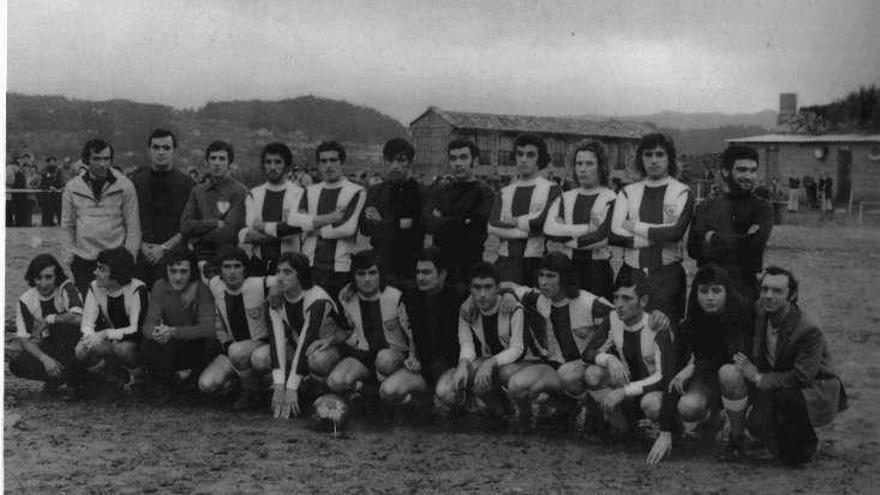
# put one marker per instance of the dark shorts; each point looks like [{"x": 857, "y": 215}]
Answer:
[
  {"x": 594, "y": 276},
  {"x": 366, "y": 358},
  {"x": 163, "y": 360},
  {"x": 60, "y": 344},
  {"x": 521, "y": 271}
]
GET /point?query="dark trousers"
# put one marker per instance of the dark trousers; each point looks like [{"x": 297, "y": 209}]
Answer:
[
  {"x": 594, "y": 276},
  {"x": 668, "y": 289},
  {"x": 22, "y": 209},
  {"x": 50, "y": 215},
  {"x": 83, "y": 272},
  {"x": 521, "y": 271},
  {"x": 164, "y": 360},
  {"x": 60, "y": 344},
  {"x": 779, "y": 419}
]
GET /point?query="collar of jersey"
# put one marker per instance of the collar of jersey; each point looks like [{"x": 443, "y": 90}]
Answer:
[{"x": 657, "y": 183}]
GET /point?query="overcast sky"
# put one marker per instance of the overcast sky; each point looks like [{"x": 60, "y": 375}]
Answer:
[{"x": 607, "y": 57}]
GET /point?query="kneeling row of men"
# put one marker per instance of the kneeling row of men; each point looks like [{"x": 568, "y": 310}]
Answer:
[{"x": 500, "y": 347}]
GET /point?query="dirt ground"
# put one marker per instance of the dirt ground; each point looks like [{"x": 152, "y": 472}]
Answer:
[{"x": 176, "y": 447}]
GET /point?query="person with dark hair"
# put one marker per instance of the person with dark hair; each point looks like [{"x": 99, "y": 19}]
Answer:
[
  {"x": 393, "y": 215},
  {"x": 47, "y": 322},
  {"x": 520, "y": 210},
  {"x": 491, "y": 344},
  {"x": 379, "y": 340},
  {"x": 733, "y": 228},
  {"x": 581, "y": 219},
  {"x": 826, "y": 192},
  {"x": 718, "y": 326},
  {"x": 566, "y": 328},
  {"x": 178, "y": 334},
  {"x": 114, "y": 312},
  {"x": 306, "y": 314},
  {"x": 266, "y": 234},
  {"x": 433, "y": 308},
  {"x": 214, "y": 211},
  {"x": 633, "y": 367},
  {"x": 52, "y": 180},
  {"x": 242, "y": 328},
  {"x": 791, "y": 383},
  {"x": 328, "y": 215},
  {"x": 650, "y": 219},
  {"x": 99, "y": 211},
  {"x": 458, "y": 212},
  {"x": 162, "y": 192}
]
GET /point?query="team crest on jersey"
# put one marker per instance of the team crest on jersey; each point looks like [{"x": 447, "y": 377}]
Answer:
[
  {"x": 581, "y": 332},
  {"x": 223, "y": 207},
  {"x": 596, "y": 218},
  {"x": 670, "y": 214},
  {"x": 254, "y": 313}
]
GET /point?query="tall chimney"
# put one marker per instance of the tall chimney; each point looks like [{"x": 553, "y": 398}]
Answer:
[{"x": 787, "y": 108}]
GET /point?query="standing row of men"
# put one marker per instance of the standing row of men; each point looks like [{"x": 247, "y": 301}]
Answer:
[{"x": 575, "y": 345}]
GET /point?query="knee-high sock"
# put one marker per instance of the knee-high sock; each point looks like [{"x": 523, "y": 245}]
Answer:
[{"x": 736, "y": 413}]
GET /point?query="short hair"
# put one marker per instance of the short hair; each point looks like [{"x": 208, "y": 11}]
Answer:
[
  {"x": 483, "y": 269},
  {"x": 559, "y": 263},
  {"x": 220, "y": 146},
  {"x": 736, "y": 152},
  {"x": 162, "y": 133},
  {"x": 120, "y": 262},
  {"x": 464, "y": 143},
  {"x": 397, "y": 146},
  {"x": 176, "y": 256},
  {"x": 330, "y": 146},
  {"x": 40, "y": 263},
  {"x": 536, "y": 141},
  {"x": 436, "y": 256},
  {"x": 300, "y": 264},
  {"x": 652, "y": 141},
  {"x": 633, "y": 278},
  {"x": 232, "y": 253},
  {"x": 51, "y": 158},
  {"x": 363, "y": 260},
  {"x": 29, "y": 154},
  {"x": 598, "y": 149},
  {"x": 279, "y": 149},
  {"x": 792, "y": 282},
  {"x": 94, "y": 146}
]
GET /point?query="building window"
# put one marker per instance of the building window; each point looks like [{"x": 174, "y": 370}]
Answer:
[
  {"x": 485, "y": 157},
  {"x": 558, "y": 159}
]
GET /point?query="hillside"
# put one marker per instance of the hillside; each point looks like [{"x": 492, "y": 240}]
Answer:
[{"x": 59, "y": 126}]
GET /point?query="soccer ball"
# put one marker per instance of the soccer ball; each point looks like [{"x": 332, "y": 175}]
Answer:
[{"x": 332, "y": 409}]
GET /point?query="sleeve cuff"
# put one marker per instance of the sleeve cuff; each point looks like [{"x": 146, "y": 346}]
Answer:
[
  {"x": 277, "y": 377},
  {"x": 293, "y": 383},
  {"x": 522, "y": 223},
  {"x": 50, "y": 319},
  {"x": 632, "y": 390},
  {"x": 641, "y": 229},
  {"x": 271, "y": 228}
]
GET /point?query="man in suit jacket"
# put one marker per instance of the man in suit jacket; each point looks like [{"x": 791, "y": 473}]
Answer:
[{"x": 791, "y": 383}]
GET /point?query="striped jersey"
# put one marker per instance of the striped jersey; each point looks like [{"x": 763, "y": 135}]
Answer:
[
  {"x": 518, "y": 215},
  {"x": 581, "y": 219},
  {"x": 32, "y": 307}
]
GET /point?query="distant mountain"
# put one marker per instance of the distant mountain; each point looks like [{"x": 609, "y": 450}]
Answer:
[
  {"x": 317, "y": 117},
  {"x": 709, "y": 120},
  {"x": 59, "y": 126},
  {"x": 703, "y": 141}
]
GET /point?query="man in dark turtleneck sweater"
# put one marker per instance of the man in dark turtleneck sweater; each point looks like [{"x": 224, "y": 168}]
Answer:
[
  {"x": 162, "y": 193},
  {"x": 732, "y": 230},
  {"x": 458, "y": 213},
  {"x": 392, "y": 216}
]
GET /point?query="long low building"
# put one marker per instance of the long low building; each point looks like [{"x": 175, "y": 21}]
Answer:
[
  {"x": 494, "y": 135},
  {"x": 852, "y": 161}
]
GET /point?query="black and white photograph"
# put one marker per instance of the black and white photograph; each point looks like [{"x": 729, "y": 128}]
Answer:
[{"x": 441, "y": 246}]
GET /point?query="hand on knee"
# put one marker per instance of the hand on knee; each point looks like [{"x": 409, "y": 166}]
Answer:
[{"x": 594, "y": 377}]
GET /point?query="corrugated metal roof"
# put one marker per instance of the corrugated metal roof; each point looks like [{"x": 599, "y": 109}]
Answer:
[
  {"x": 555, "y": 125},
  {"x": 806, "y": 138}
]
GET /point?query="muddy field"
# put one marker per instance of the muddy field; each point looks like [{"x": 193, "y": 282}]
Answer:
[{"x": 134, "y": 446}]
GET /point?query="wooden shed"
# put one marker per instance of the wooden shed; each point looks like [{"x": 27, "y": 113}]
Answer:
[{"x": 494, "y": 135}]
